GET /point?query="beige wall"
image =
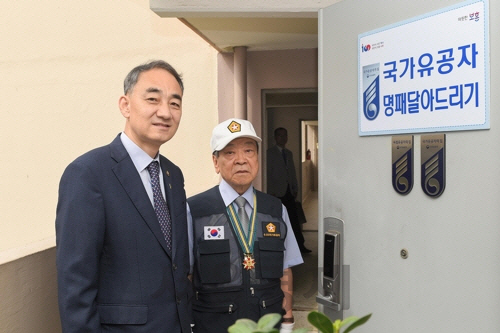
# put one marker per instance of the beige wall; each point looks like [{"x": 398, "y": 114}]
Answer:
[{"x": 62, "y": 65}]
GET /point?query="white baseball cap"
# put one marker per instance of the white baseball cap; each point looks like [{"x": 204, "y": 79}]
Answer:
[{"x": 229, "y": 130}]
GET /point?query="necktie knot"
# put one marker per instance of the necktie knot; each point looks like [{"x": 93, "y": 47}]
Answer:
[
  {"x": 153, "y": 169},
  {"x": 242, "y": 214},
  {"x": 240, "y": 201}
]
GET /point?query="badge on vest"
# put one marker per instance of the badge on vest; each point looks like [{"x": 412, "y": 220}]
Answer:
[
  {"x": 214, "y": 232},
  {"x": 271, "y": 229}
]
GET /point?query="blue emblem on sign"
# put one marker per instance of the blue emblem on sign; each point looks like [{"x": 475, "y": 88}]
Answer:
[{"x": 371, "y": 88}]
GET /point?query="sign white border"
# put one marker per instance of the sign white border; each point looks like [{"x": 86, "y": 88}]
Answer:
[{"x": 402, "y": 96}]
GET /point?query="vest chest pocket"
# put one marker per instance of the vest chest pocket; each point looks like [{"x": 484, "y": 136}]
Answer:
[
  {"x": 270, "y": 258},
  {"x": 214, "y": 262}
]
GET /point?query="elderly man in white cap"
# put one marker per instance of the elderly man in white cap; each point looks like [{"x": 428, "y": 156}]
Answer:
[{"x": 243, "y": 244}]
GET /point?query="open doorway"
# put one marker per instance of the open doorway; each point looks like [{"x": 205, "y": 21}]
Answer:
[{"x": 297, "y": 111}]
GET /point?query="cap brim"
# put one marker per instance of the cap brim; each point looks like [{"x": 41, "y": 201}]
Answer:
[{"x": 225, "y": 142}]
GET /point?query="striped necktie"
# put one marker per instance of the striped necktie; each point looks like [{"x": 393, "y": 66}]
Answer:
[{"x": 242, "y": 214}]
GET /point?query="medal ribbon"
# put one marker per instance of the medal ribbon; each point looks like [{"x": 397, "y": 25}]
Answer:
[{"x": 246, "y": 241}]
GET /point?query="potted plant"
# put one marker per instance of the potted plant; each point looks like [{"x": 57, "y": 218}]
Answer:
[
  {"x": 325, "y": 325},
  {"x": 267, "y": 323}
]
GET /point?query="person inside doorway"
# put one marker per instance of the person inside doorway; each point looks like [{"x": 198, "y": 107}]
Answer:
[{"x": 282, "y": 181}]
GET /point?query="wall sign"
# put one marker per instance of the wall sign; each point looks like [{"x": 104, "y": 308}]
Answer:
[{"x": 426, "y": 74}]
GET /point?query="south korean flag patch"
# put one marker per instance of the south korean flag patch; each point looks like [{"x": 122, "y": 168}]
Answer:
[{"x": 214, "y": 232}]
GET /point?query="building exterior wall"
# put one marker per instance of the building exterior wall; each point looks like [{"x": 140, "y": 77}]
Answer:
[
  {"x": 63, "y": 65},
  {"x": 446, "y": 279}
]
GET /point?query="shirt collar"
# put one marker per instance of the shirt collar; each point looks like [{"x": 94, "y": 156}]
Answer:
[
  {"x": 229, "y": 194},
  {"x": 139, "y": 157}
]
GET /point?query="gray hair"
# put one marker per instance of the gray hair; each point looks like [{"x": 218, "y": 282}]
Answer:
[{"x": 132, "y": 77}]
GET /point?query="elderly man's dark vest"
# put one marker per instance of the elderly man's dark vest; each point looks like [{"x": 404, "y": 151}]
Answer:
[{"x": 224, "y": 290}]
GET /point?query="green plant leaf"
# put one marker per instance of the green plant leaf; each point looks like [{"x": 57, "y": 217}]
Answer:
[
  {"x": 320, "y": 321},
  {"x": 268, "y": 321},
  {"x": 358, "y": 322},
  {"x": 243, "y": 326},
  {"x": 348, "y": 321},
  {"x": 336, "y": 325},
  {"x": 300, "y": 330},
  {"x": 274, "y": 330}
]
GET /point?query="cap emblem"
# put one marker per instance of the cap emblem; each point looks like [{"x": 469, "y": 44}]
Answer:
[{"x": 234, "y": 127}]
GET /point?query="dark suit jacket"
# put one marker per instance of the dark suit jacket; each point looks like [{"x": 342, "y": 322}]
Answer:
[
  {"x": 114, "y": 271},
  {"x": 279, "y": 173}
]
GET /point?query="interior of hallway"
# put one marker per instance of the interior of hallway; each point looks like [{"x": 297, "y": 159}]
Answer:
[{"x": 305, "y": 276}]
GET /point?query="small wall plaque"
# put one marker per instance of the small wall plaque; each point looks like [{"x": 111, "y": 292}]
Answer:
[
  {"x": 402, "y": 163},
  {"x": 433, "y": 158}
]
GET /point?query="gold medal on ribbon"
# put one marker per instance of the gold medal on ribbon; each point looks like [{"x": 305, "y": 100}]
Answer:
[
  {"x": 246, "y": 241},
  {"x": 248, "y": 262}
]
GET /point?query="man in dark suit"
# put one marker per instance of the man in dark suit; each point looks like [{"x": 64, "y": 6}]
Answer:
[
  {"x": 122, "y": 247},
  {"x": 282, "y": 181}
]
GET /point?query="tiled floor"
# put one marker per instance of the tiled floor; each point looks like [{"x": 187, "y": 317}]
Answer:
[{"x": 305, "y": 276}]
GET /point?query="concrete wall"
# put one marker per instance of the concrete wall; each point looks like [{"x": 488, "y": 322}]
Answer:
[
  {"x": 62, "y": 65},
  {"x": 29, "y": 294}
]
